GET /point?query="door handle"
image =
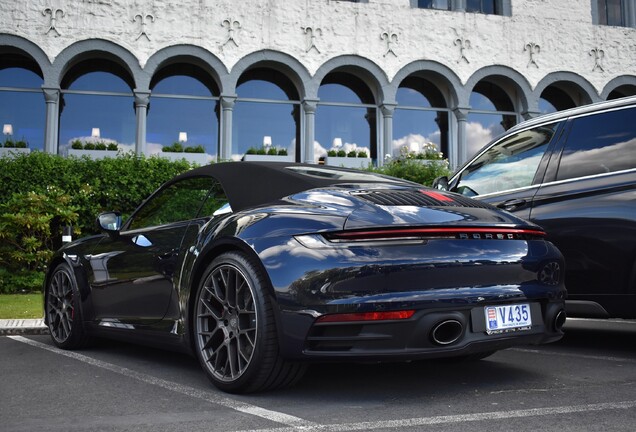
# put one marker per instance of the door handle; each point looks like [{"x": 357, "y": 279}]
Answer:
[{"x": 512, "y": 204}]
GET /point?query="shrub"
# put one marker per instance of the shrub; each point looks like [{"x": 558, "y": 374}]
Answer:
[
  {"x": 89, "y": 146},
  {"x": 413, "y": 170},
  {"x": 272, "y": 151},
  {"x": 352, "y": 153},
  {"x": 119, "y": 183},
  {"x": 112, "y": 147},
  {"x": 30, "y": 229},
  {"x": 251, "y": 151},
  {"x": 9, "y": 143},
  {"x": 176, "y": 147},
  {"x": 332, "y": 153},
  {"x": 77, "y": 145},
  {"x": 362, "y": 154},
  {"x": 282, "y": 152},
  {"x": 341, "y": 153},
  {"x": 21, "y": 144},
  {"x": 195, "y": 149}
]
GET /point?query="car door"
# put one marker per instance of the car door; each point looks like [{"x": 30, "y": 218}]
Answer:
[
  {"x": 508, "y": 172},
  {"x": 134, "y": 272},
  {"x": 587, "y": 205}
]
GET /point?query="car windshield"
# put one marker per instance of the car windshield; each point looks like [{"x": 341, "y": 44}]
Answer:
[{"x": 511, "y": 163}]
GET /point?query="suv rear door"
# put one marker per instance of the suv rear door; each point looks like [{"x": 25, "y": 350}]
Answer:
[{"x": 587, "y": 204}]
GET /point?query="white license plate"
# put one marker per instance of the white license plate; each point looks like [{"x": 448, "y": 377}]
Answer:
[{"x": 502, "y": 319}]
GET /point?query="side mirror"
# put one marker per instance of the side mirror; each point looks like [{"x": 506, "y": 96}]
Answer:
[
  {"x": 109, "y": 222},
  {"x": 441, "y": 183}
]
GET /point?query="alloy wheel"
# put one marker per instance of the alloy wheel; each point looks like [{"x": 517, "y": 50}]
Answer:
[
  {"x": 226, "y": 323},
  {"x": 60, "y": 308}
]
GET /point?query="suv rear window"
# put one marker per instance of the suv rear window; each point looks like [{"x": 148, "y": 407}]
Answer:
[{"x": 600, "y": 143}]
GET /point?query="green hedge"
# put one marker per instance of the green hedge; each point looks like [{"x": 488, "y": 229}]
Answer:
[{"x": 41, "y": 192}]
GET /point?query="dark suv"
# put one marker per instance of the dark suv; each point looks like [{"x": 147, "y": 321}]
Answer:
[{"x": 573, "y": 173}]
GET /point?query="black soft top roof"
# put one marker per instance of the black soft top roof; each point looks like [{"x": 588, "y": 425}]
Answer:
[{"x": 250, "y": 184}]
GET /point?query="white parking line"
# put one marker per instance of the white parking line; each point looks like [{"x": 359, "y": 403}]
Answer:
[
  {"x": 275, "y": 416},
  {"x": 581, "y": 356},
  {"x": 463, "y": 418}
]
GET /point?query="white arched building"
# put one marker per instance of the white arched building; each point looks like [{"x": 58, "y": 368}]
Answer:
[{"x": 304, "y": 75}]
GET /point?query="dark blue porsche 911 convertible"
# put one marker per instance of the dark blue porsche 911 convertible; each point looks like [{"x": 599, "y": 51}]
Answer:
[{"x": 260, "y": 268}]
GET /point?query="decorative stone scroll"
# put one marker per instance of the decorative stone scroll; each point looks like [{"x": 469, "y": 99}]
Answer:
[
  {"x": 532, "y": 49},
  {"x": 142, "y": 22},
  {"x": 463, "y": 44},
  {"x": 598, "y": 55},
  {"x": 311, "y": 33},
  {"x": 53, "y": 12},
  {"x": 232, "y": 25},
  {"x": 390, "y": 38}
]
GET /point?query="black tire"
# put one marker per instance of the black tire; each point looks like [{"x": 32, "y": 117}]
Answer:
[
  {"x": 64, "y": 316},
  {"x": 235, "y": 334}
]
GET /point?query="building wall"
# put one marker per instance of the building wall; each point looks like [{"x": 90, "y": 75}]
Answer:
[{"x": 542, "y": 42}]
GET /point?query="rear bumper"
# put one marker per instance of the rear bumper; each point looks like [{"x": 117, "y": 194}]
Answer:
[{"x": 414, "y": 338}]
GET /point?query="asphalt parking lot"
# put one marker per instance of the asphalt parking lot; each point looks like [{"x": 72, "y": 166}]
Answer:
[{"x": 585, "y": 382}]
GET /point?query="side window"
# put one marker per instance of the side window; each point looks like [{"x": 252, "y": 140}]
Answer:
[
  {"x": 178, "y": 202},
  {"x": 511, "y": 163},
  {"x": 599, "y": 144}
]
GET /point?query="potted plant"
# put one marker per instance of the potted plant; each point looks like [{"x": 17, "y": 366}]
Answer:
[
  {"x": 193, "y": 154},
  {"x": 11, "y": 147},
  {"x": 352, "y": 159},
  {"x": 93, "y": 149},
  {"x": 271, "y": 154}
]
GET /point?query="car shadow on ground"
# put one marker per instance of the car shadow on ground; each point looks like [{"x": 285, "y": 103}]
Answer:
[{"x": 599, "y": 337}]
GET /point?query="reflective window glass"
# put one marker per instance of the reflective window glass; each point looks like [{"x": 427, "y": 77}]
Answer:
[
  {"x": 486, "y": 120},
  {"x": 180, "y": 201},
  {"x": 599, "y": 144},
  {"x": 266, "y": 115},
  {"x": 434, "y": 4},
  {"x": 98, "y": 107},
  {"x": 343, "y": 128},
  {"x": 511, "y": 163},
  {"x": 17, "y": 77},
  {"x": 611, "y": 12},
  {"x": 345, "y": 117},
  {"x": 415, "y": 125},
  {"x": 483, "y": 6},
  {"x": 334, "y": 92},
  {"x": 183, "y": 113},
  {"x": 22, "y": 113},
  {"x": 100, "y": 81}
]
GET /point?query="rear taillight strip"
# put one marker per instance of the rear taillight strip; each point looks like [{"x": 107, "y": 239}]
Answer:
[{"x": 469, "y": 233}]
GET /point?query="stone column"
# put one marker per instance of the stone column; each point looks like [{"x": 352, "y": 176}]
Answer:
[
  {"x": 142, "y": 98},
  {"x": 459, "y": 5},
  {"x": 461, "y": 114},
  {"x": 386, "y": 143},
  {"x": 51, "y": 128},
  {"x": 309, "y": 109},
  {"x": 227, "y": 108}
]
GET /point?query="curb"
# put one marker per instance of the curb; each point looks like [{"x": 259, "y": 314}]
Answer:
[{"x": 10, "y": 327}]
